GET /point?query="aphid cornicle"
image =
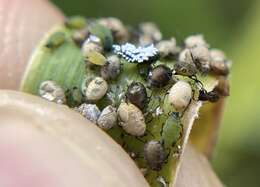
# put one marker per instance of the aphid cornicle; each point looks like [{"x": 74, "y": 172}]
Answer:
[
  {"x": 154, "y": 154},
  {"x": 51, "y": 91},
  {"x": 159, "y": 76},
  {"x": 171, "y": 130},
  {"x": 211, "y": 96},
  {"x": 137, "y": 95},
  {"x": 180, "y": 95},
  {"x": 56, "y": 40},
  {"x": 131, "y": 119}
]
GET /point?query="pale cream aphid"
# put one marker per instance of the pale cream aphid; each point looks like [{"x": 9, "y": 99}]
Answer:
[
  {"x": 112, "y": 68},
  {"x": 168, "y": 48},
  {"x": 180, "y": 95},
  {"x": 131, "y": 119},
  {"x": 149, "y": 33},
  {"x": 96, "y": 89},
  {"x": 195, "y": 40},
  {"x": 51, "y": 91}
]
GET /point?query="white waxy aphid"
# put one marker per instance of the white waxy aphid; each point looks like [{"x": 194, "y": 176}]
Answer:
[
  {"x": 96, "y": 89},
  {"x": 118, "y": 29},
  {"x": 217, "y": 54},
  {"x": 180, "y": 95},
  {"x": 168, "y": 47},
  {"x": 134, "y": 54},
  {"x": 150, "y": 33},
  {"x": 131, "y": 119},
  {"x": 51, "y": 91},
  {"x": 89, "y": 111},
  {"x": 195, "y": 40},
  {"x": 107, "y": 118}
]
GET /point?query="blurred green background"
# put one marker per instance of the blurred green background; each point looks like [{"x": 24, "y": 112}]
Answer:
[{"x": 232, "y": 25}]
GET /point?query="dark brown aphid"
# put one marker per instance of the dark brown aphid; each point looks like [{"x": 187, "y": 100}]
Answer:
[
  {"x": 137, "y": 95},
  {"x": 159, "y": 76},
  {"x": 154, "y": 155},
  {"x": 185, "y": 69},
  {"x": 211, "y": 96},
  {"x": 223, "y": 86}
]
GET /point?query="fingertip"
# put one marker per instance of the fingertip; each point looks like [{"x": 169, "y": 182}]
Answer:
[{"x": 23, "y": 23}]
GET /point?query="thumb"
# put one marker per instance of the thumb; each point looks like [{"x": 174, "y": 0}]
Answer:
[{"x": 23, "y": 23}]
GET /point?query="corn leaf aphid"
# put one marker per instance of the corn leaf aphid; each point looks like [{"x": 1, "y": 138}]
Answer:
[
  {"x": 51, "y": 91},
  {"x": 107, "y": 118},
  {"x": 134, "y": 54},
  {"x": 171, "y": 130},
  {"x": 89, "y": 111},
  {"x": 103, "y": 33},
  {"x": 159, "y": 76},
  {"x": 111, "y": 69},
  {"x": 131, "y": 119},
  {"x": 56, "y": 40},
  {"x": 117, "y": 28},
  {"x": 76, "y": 22},
  {"x": 154, "y": 155},
  {"x": 137, "y": 95},
  {"x": 185, "y": 69},
  {"x": 96, "y": 89}
]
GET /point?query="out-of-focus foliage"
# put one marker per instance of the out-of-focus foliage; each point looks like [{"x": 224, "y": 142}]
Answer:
[{"x": 232, "y": 25}]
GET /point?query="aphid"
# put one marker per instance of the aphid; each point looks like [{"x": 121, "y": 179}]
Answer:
[
  {"x": 79, "y": 36},
  {"x": 96, "y": 89},
  {"x": 119, "y": 31},
  {"x": 107, "y": 118},
  {"x": 201, "y": 58},
  {"x": 167, "y": 48},
  {"x": 223, "y": 86},
  {"x": 171, "y": 131},
  {"x": 211, "y": 96},
  {"x": 131, "y": 119},
  {"x": 149, "y": 33},
  {"x": 103, "y": 33},
  {"x": 93, "y": 43},
  {"x": 219, "y": 67},
  {"x": 112, "y": 68},
  {"x": 137, "y": 95},
  {"x": 56, "y": 40},
  {"x": 180, "y": 95},
  {"x": 185, "y": 56},
  {"x": 51, "y": 91},
  {"x": 76, "y": 22},
  {"x": 134, "y": 54},
  {"x": 217, "y": 54},
  {"x": 159, "y": 76},
  {"x": 185, "y": 69},
  {"x": 195, "y": 40},
  {"x": 95, "y": 58},
  {"x": 154, "y": 154},
  {"x": 89, "y": 111}
]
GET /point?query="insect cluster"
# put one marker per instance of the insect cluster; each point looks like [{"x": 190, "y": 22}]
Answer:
[{"x": 138, "y": 86}]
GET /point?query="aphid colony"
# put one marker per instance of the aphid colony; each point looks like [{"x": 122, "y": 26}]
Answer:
[{"x": 134, "y": 80}]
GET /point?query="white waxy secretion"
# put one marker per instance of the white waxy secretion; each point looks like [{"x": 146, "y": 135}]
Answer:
[
  {"x": 96, "y": 89},
  {"x": 180, "y": 95},
  {"x": 107, "y": 118},
  {"x": 51, "y": 91},
  {"x": 131, "y": 119}
]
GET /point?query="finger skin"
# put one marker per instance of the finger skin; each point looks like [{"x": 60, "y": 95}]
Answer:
[{"x": 23, "y": 23}]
